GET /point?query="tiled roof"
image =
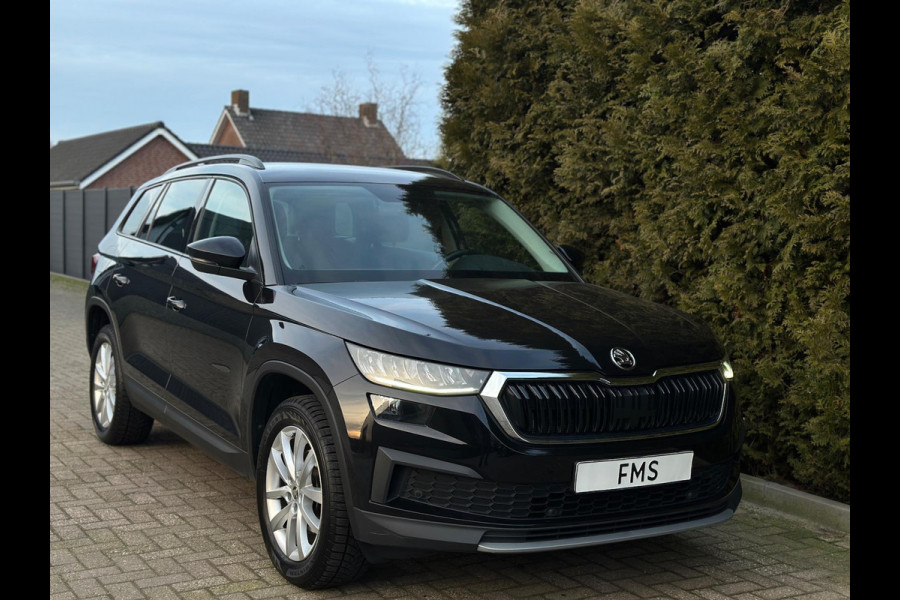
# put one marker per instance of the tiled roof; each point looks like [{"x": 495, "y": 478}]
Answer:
[
  {"x": 345, "y": 140},
  {"x": 73, "y": 160}
]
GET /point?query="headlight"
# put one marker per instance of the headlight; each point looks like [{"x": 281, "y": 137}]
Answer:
[
  {"x": 415, "y": 375},
  {"x": 727, "y": 371}
]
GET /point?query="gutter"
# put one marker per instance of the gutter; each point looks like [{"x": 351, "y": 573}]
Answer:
[{"x": 64, "y": 185}]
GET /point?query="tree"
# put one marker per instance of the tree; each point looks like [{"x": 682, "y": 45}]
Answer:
[
  {"x": 396, "y": 99},
  {"x": 699, "y": 152}
]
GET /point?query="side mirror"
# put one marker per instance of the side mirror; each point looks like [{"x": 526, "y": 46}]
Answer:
[
  {"x": 573, "y": 255},
  {"x": 220, "y": 255}
]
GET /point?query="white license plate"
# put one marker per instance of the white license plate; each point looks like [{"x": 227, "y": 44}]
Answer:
[{"x": 640, "y": 471}]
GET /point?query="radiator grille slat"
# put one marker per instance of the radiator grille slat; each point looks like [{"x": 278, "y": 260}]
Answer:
[{"x": 548, "y": 408}]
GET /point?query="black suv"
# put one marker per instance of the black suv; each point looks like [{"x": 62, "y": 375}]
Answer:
[{"x": 403, "y": 363}]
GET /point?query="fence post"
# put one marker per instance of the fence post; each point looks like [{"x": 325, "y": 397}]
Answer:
[
  {"x": 64, "y": 232},
  {"x": 83, "y": 228}
]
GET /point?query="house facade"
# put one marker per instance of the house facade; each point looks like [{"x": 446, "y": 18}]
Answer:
[{"x": 114, "y": 159}]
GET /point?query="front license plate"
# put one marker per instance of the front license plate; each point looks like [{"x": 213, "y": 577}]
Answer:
[{"x": 620, "y": 473}]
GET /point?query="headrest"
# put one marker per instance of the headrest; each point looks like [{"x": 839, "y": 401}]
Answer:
[{"x": 392, "y": 228}]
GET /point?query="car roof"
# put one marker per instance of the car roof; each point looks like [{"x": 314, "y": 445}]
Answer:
[{"x": 295, "y": 172}]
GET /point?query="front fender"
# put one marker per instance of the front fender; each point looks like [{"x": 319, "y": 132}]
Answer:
[{"x": 278, "y": 351}]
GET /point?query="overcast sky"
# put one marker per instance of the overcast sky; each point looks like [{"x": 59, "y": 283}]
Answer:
[{"x": 119, "y": 63}]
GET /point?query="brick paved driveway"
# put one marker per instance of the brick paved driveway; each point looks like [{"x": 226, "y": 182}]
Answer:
[{"x": 162, "y": 520}]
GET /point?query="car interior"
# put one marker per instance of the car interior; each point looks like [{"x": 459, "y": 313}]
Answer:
[{"x": 322, "y": 229}]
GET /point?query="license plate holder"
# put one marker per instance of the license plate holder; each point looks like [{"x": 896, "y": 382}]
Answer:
[{"x": 639, "y": 471}]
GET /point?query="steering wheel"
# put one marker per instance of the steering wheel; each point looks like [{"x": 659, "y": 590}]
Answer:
[{"x": 454, "y": 255}]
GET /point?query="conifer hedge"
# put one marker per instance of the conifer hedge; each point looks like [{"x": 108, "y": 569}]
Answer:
[{"x": 699, "y": 152}]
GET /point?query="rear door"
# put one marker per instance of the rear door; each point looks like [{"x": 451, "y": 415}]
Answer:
[
  {"x": 139, "y": 289},
  {"x": 209, "y": 324},
  {"x": 137, "y": 293}
]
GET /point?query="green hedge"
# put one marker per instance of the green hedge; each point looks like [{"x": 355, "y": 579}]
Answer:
[{"x": 700, "y": 153}]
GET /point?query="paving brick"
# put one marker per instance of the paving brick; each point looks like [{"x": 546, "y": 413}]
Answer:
[
  {"x": 733, "y": 589},
  {"x": 776, "y": 593},
  {"x": 163, "y": 521}
]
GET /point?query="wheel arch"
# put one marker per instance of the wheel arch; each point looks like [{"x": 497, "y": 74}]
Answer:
[
  {"x": 97, "y": 315},
  {"x": 275, "y": 382}
]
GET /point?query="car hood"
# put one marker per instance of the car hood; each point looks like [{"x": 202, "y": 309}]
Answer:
[{"x": 506, "y": 324}]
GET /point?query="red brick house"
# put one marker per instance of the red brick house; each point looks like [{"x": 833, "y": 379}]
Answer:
[
  {"x": 361, "y": 140},
  {"x": 114, "y": 159}
]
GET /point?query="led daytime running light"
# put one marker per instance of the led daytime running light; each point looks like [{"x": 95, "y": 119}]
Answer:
[{"x": 416, "y": 375}]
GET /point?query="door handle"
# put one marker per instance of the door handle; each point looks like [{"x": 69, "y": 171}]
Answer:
[
  {"x": 175, "y": 304},
  {"x": 121, "y": 280}
]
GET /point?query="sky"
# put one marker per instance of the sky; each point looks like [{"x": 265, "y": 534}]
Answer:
[{"x": 120, "y": 63}]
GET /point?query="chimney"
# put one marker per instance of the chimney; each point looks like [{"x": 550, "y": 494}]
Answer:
[
  {"x": 240, "y": 100},
  {"x": 368, "y": 112}
]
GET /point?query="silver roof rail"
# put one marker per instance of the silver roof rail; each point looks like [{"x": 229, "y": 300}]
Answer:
[
  {"x": 241, "y": 159},
  {"x": 425, "y": 169}
]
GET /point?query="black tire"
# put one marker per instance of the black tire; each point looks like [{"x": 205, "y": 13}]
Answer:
[
  {"x": 335, "y": 557},
  {"x": 127, "y": 424}
]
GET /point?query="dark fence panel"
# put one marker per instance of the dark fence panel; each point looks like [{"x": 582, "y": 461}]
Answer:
[
  {"x": 116, "y": 199},
  {"x": 73, "y": 238},
  {"x": 94, "y": 224},
  {"x": 78, "y": 221},
  {"x": 57, "y": 255}
]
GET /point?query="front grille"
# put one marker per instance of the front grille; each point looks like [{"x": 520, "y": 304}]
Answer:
[
  {"x": 550, "y": 500},
  {"x": 560, "y": 408}
]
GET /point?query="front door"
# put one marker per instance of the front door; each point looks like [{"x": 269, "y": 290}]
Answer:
[{"x": 210, "y": 316}]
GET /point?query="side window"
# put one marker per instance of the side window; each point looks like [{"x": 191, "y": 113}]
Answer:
[
  {"x": 175, "y": 214},
  {"x": 140, "y": 210},
  {"x": 227, "y": 212}
]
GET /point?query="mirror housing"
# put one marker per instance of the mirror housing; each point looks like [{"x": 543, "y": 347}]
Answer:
[
  {"x": 220, "y": 255},
  {"x": 573, "y": 255}
]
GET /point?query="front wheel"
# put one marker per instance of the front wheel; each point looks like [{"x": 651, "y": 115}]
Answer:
[{"x": 300, "y": 497}]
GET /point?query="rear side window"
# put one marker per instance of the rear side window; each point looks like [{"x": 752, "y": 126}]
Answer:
[
  {"x": 227, "y": 212},
  {"x": 175, "y": 214},
  {"x": 140, "y": 210}
]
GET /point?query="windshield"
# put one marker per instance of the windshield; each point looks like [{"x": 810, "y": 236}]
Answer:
[{"x": 371, "y": 232}]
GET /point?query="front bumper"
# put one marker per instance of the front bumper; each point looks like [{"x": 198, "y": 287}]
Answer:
[
  {"x": 413, "y": 533},
  {"x": 457, "y": 482}
]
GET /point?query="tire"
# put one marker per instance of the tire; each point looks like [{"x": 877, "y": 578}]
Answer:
[
  {"x": 304, "y": 518},
  {"x": 116, "y": 421}
]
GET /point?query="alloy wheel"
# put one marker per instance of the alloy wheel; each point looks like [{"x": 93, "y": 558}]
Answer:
[
  {"x": 294, "y": 493},
  {"x": 104, "y": 392}
]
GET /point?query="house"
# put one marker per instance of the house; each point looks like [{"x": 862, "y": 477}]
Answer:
[
  {"x": 131, "y": 156},
  {"x": 361, "y": 140},
  {"x": 115, "y": 159}
]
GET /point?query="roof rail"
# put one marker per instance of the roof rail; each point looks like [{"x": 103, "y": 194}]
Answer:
[
  {"x": 241, "y": 159},
  {"x": 425, "y": 169}
]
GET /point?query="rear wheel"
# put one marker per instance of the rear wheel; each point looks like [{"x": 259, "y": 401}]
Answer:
[
  {"x": 116, "y": 421},
  {"x": 302, "y": 511}
]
